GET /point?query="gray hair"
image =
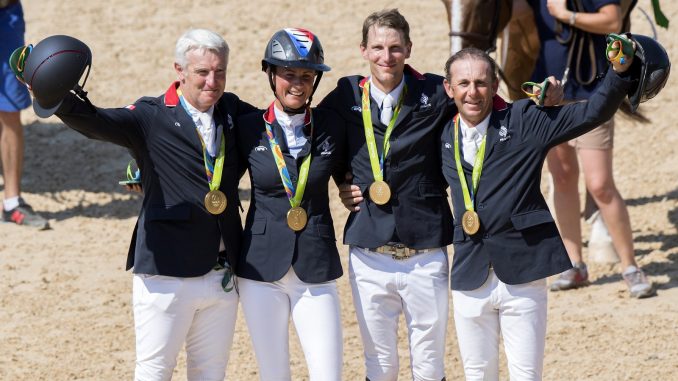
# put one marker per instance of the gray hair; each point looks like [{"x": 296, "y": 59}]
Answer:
[{"x": 199, "y": 39}]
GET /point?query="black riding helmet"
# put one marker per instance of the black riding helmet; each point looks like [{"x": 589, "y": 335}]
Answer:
[
  {"x": 53, "y": 68},
  {"x": 654, "y": 71},
  {"x": 294, "y": 48}
]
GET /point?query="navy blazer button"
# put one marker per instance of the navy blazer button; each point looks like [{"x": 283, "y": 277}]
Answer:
[{"x": 486, "y": 236}]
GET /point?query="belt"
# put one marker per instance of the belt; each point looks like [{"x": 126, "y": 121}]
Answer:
[{"x": 399, "y": 251}]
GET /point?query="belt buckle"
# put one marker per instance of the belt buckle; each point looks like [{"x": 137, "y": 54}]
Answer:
[{"x": 400, "y": 252}]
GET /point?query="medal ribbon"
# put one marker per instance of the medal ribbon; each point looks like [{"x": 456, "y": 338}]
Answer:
[
  {"x": 625, "y": 48},
  {"x": 213, "y": 168},
  {"x": 295, "y": 195},
  {"x": 376, "y": 161},
  {"x": 469, "y": 199},
  {"x": 543, "y": 86}
]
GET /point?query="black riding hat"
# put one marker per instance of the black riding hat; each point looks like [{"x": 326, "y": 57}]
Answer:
[
  {"x": 53, "y": 68},
  {"x": 295, "y": 48},
  {"x": 654, "y": 71}
]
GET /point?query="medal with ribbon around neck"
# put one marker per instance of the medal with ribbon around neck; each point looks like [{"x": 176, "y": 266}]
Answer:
[
  {"x": 215, "y": 200},
  {"x": 470, "y": 221},
  {"x": 380, "y": 192},
  {"x": 296, "y": 215}
]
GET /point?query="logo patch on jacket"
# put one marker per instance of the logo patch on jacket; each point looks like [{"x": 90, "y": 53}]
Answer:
[
  {"x": 357, "y": 108},
  {"x": 425, "y": 102},
  {"x": 326, "y": 148},
  {"x": 230, "y": 121},
  {"x": 260, "y": 149},
  {"x": 503, "y": 134},
  {"x": 130, "y": 107}
]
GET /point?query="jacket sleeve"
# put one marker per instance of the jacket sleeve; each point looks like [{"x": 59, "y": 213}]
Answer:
[
  {"x": 338, "y": 98},
  {"x": 244, "y": 108},
  {"x": 241, "y": 129},
  {"x": 555, "y": 125},
  {"x": 116, "y": 125},
  {"x": 340, "y": 166},
  {"x": 335, "y": 103}
]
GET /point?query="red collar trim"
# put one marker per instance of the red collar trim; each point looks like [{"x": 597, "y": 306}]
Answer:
[
  {"x": 363, "y": 82},
  {"x": 171, "y": 96},
  {"x": 409, "y": 69},
  {"x": 269, "y": 115},
  {"x": 498, "y": 103}
]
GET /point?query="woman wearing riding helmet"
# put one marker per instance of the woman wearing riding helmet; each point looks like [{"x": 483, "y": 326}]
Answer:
[{"x": 289, "y": 261}]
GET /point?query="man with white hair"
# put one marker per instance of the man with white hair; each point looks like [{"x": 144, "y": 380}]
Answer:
[{"x": 188, "y": 232}]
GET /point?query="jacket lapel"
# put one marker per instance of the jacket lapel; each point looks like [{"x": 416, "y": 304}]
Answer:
[
  {"x": 496, "y": 121},
  {"x": 412, "y": 88},
  {"x": 188, "y": 128},
  {"x": 499, "y": 111},
  {"x": 221, "y": 123}
]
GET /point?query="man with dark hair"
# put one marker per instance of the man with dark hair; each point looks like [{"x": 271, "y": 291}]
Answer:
[
  {"x": 505, "y": 240},
  {"x": 398, "y": 234}
]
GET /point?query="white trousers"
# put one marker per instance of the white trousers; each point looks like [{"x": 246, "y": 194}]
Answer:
[
  {"x": 315, "y": 312},
  {"x": 518, "y": 312},
  {"x": 383, "y": 288},
  {"x": 169, "y": 311}
]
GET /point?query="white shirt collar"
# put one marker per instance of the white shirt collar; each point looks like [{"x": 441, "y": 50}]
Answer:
[
  {"x": 287, "y": 121},
  {"x": 481, "y": 127},
  {"x": 379, "y": 95},
  {"x": 293, "y": 127},
  {"x": 204, "y": 121},
  {"x": 195, "y": 113}
]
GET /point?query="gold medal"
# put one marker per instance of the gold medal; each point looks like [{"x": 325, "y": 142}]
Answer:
[
  {"x": 380, "y": 192},
  {"x": 296, "y": 218},
  {"x": 470, "y": 222},
  {"x": 215, "y": 201}
]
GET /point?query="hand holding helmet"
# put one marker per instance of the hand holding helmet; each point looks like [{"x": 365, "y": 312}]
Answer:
[
  {"x": 655, "y": 65},
  {"x": 620, "y": 51},
  {"x": 51, "y": 70}
]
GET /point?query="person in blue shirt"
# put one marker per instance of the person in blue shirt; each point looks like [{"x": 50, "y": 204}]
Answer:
[{"x": 14, "y": 97}]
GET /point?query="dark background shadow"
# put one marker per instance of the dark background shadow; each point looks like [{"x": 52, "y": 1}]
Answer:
[{"x": 61, "y": 164}]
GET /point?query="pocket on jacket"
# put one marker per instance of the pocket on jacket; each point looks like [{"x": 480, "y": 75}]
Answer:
[
  {"x": 532, "y": 218},
  {"x": 509, "y": 145},
  {"x": 428, "y": 189},
  {"x": 174, "y": 212},
  {"x": 424, "y": 113},
  {"x": 258, "y": 227}
]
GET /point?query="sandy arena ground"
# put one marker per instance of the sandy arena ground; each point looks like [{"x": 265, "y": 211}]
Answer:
[{"x": 64, "y": 295}]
